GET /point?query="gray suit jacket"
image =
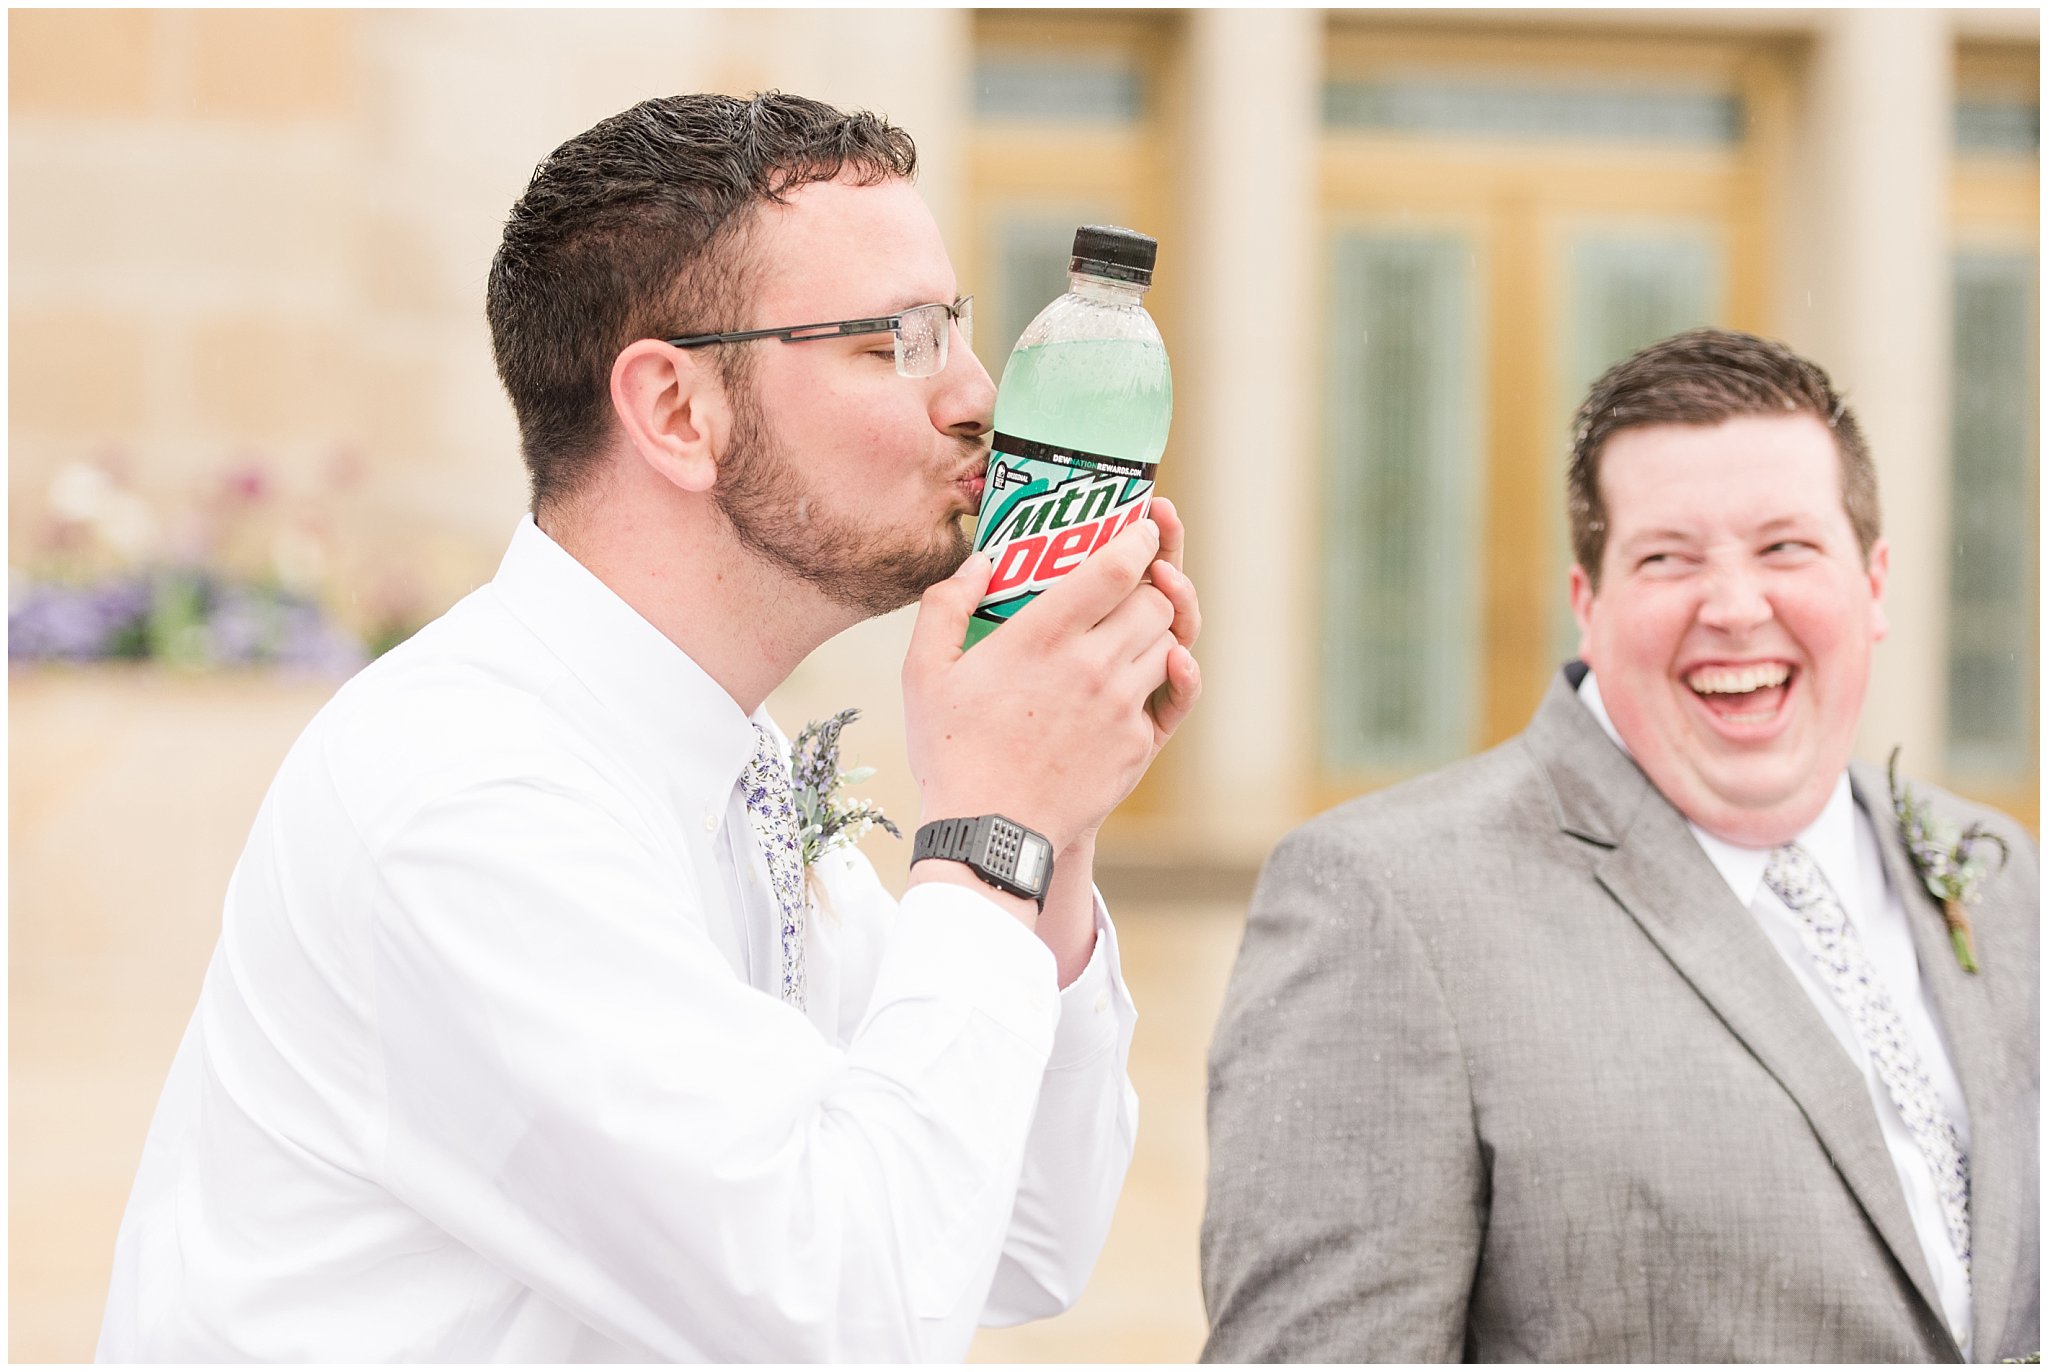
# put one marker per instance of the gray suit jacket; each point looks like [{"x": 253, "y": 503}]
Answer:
[{"x": 1505, "y": 1072}]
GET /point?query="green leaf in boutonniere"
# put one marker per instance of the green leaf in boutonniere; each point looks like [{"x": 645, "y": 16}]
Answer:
[
  {"x": 1953, "y": 863},
  {"x": 826, "y": 817}
]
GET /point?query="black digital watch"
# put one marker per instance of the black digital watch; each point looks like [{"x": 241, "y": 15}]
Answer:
[{"x": 1000, "y": 851}]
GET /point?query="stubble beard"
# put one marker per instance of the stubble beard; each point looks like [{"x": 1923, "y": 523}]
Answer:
[{"x": 775, "y": 511}]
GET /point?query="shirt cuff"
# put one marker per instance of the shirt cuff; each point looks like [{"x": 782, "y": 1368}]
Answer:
[
  {"x": 1096, "y": 1006},
  {"x": 947, "y": 936}
]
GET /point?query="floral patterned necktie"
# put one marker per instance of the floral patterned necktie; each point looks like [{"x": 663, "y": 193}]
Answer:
[
  {"x": 765, "y": 784},
  {"x": 1837, "y": 950}
]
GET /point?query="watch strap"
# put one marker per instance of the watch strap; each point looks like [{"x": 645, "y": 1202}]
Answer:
[
  {"x": 988, "y": 846},
  {"x": 952, "y": 839}
]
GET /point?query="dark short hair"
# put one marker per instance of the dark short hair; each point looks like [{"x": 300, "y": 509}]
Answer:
[
  {"x": 636, "y": 229},
  {"x": 1704, "y": 376}
]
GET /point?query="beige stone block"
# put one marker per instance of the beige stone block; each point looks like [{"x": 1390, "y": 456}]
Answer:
[
  {"x": 132, "y": 793},
  {"x": 29, "y": 468},
  {"x": 182, "y": 214},
  {"x": 402, "y": 390},
  {"x": 470, "y": 504},
  {"x": 73, "y": 372},
  {"x": 78, "y": 61},
  {"x": 402, "y": 274},
  {"x": 273, "y": 64},
  {"x": 264, "y": 378}
]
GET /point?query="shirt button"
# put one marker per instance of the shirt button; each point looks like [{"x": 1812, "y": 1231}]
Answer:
[
  {"x": 710, "y": 821},
  {"x": 1101, "y": 1001}
]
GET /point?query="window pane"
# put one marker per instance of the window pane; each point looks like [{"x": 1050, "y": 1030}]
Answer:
[
  {"x": 1400, "y": 523},
  {"x": 1998, "y": 127},
  {"x": 1032, "y": 246},
  {"x": 1467, "y": 105},
  {"x": 1094, "y": 88},
  {"x": 1993, "y": 617},
  {"x": 1625, "y": 290},
  {"x": 1630, "y": 289}
]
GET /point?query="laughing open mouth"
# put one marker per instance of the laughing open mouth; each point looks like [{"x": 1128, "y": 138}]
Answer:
[{"x": 1748, "y": 693}]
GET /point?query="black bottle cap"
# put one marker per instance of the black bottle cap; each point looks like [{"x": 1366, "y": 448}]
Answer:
[{"x": 1116, "y": 253}]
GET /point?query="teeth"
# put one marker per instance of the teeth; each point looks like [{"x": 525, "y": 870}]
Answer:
[{"x": 1738, "y": 680}]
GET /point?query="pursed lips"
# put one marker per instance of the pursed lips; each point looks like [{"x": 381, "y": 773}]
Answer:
[{"x": 974, "y": 476}]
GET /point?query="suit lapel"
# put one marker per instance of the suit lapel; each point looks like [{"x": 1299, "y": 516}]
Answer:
[
  {"x": 1661, "y": 876},
  {"x": 1962, "y": 1004}
]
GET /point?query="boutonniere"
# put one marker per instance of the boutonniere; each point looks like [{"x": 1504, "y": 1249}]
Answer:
[
  {"x": 1953, "y": 864},
  {"x": 827, "y": 817}
]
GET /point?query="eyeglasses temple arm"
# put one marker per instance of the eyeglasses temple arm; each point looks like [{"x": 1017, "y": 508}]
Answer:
[{"x": 799, "y": 333}]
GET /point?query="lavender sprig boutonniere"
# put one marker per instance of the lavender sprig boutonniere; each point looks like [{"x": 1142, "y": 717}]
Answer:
[
  {"x": 826, "y": 817},
  {"x": 1953, "y": 863}
]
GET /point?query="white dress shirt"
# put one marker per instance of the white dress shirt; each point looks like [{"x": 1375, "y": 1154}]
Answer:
[
  {"x": 1843, "y": 844},
  {"x": 488, "y": 1062}
]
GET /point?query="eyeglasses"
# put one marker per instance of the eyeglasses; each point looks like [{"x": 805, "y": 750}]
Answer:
[{"x": 921, "y": 334}]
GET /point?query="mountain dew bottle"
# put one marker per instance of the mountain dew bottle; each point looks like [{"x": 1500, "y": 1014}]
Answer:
[{"x": 1081, "y": 420}]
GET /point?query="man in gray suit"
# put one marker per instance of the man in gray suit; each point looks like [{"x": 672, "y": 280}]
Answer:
[{"x": 1641, "y": 1037}]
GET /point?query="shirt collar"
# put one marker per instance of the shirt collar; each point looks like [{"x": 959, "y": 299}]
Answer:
[
  {"x": 1830, "y": 840},
  {"x": 696, "y": 740},
  {"x": 1589, "y": 696}
]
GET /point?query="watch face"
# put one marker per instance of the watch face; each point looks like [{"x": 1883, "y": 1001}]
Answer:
[{"x": 1031, "y": 861}]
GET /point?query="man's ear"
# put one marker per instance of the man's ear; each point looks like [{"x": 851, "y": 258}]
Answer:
[
  {"x": 673, "y": 410},
  {"x": 1581, "y": 587},
  {"x": 1877, "y": 566}
]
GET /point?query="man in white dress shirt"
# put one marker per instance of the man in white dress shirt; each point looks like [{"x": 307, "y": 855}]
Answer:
[
  {"x": 525, "y": 1037},
  {"x": 1639, "y": 1038}
]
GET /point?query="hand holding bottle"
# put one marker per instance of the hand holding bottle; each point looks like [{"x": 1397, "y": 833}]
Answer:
[{"x": 1053, "y": 721}]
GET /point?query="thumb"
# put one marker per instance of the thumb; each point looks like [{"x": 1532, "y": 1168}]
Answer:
[{"x": 942, "y": 616}]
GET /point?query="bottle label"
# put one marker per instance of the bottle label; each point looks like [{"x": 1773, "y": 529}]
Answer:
[{"x": 1044, "y": 510}]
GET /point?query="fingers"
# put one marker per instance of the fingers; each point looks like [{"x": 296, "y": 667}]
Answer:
[
  {"x": 1173, "y": 535},
  {"x": 943, "y": 614},
  {"x": 1132, "y": 628},
  {"x": 1179, "y": 591},
  {"x": 1171, "y": 703},
  {"x": 1083, "y": 597}
]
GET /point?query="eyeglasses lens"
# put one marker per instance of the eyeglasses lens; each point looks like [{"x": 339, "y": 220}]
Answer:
[{"x": 921, "y": 340}]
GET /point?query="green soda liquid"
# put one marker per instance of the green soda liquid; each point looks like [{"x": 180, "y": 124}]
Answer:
[{"x": 1081, "y": 421}]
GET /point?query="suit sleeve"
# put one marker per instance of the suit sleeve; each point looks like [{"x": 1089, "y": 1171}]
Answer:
[{"x": 1347, "y": 1187}]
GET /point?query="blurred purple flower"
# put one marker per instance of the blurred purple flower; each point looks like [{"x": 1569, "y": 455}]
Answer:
[
  {"x": 53, "y": 621},
  {"x": 187, "y": 615},
  {"x": 311, "y": 642},
  {"x": 241, "y": 627}
]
